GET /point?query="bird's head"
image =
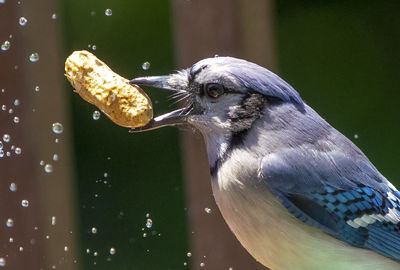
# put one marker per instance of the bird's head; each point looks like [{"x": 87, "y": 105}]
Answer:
[{"x": 221, "y": 94}]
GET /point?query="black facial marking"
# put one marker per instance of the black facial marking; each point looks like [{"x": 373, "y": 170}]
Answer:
[{"x": 241, "y": 119}]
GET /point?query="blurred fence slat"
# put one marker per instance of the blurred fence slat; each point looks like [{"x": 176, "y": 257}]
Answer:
[
  {"x": 202, "y": 29},
  {"x": 49, "y": 194}
]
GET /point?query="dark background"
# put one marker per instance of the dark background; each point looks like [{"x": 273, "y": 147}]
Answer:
[{"x": 342, "y": 56}]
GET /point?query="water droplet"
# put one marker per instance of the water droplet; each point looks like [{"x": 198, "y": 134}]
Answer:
[
  {"x": 48, "y": 168},
  {"x": 207, "y": 210},
  {"x": 92, "y": 13},
  {"x": 146, "y": 65},
  {"x": 8, "y": 154},
  {"x": 112, "y": 251},
  {"x": 22, "y": 21},
  {"x": 6, "y": 45},
  {"x": 216, "y": 56},
  {"x": 95, "y": 253},
  {"x": 94, "y": 230},
  {"x": 2, "y": 1},
  {"x": 184, "y": 263},
  {"x": 16, "y": 102},
  {"x": 16, "y": 119},
  {"x": 144, "y": 234},
  {"x": 355, "y": 136},
  {"x": 21, "y": 249},
  {"x": 11, "y": 240},
  {"x": 94, "y": 47},
  {"x": 2, "y": 262},
  {"x": 47, "y": 237},
  {"x": 96, "y": 115},
  {"x": 10, "y": 223},
  {"x": 189, "y": 254},
  {"x": 202, "y": 264},
  {"x": 25, "y": 203},
  {"x": 56, "y": 140},
  {"x": 12, "y": 147},
  {"x": 13, "y": 187},
  {"x": 149, "y": 223},
  {"x": 1, "y": 153},
  {"x": 66, "y": 248},
  {"x": 230, "y": 268},
  {"x": 37, "y": 88},
  {"x": 3, "y": 107},
  {"x": 34, "y": 57},
  {"x": 57, "y": 128},
  {"x": 88, "y": 251},
  {"x": 147, "y": 215},
  {"x": 105, "y": 175},
  {"x": 54, "y": 16},
  {"x": 18, "y": 150},
  {"x": 6, "y": 138},
  {"x": 55, "y": 157},
  {"x": 108, "y": 12},
  {"x": 41, "y": 162},
  {"x": 53, "y": 221},
  {"x": 1, "y": 145},
  {"x": 10, "y": 111}
]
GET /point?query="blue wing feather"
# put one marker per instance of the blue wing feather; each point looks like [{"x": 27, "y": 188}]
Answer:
[{"x": 345, "y": 197}]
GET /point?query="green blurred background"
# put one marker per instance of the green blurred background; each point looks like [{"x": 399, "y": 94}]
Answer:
[
  {"x": 342, "y": 56},
  {"x": 144, "y": 172}
]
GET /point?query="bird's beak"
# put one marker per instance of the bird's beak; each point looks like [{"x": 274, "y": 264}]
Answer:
[{"x": 177, "y": 117}]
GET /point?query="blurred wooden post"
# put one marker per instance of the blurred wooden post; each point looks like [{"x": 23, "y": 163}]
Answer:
[
  {"x": 37, "y": 244},
  {"x": 204, "y": 28}
]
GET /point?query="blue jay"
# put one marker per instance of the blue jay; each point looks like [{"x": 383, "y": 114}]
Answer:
[{"x": 296, "y": 192}]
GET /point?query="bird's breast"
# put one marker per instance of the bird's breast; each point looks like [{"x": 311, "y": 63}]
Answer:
[{"x": 271, "y": 234}]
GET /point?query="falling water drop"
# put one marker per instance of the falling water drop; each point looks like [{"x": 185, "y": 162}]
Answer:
[
  {"x": 48, "y": 168},
  {"x": 94, "y": 230},
  {"x": 207, "y": 210},
  {"x": 22, "y": 21},
  {"x": 6, "y": 138},
  {"x": 57, "y": 128},
  {"x": 16, "y": 102},
  {"x": 96, "y": 115},
  {"x": 25, "y": 203},
  {"x": 2, "y": 262},
  {"x": 10, "y": 223},
  {"x": 112, "y": 251},
  {"x": 55, "y": 157},
  {"x": 6, "y": 45},
  {"x": 34, "y": 57},
  {"x": 53, "y": 221},
  {"x": 189, "y": 254},
  {"x": 108, "y": 12},
  {"x": 13, "y": 187},
  {"x": 54, "y": 16},
  {"x": 37, "y": 88},
  {"x": 146, "y": 65},
  {"x": 149, "y": 223},
  {"x": 18, "y": 150},
  {"x": 16, "y": 119}
]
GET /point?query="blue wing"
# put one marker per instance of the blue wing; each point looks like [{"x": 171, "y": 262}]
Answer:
[{"x": 341, "y": 194}]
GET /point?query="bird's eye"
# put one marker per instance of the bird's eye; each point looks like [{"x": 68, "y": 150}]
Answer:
[{"x": 214, "y": 90}]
